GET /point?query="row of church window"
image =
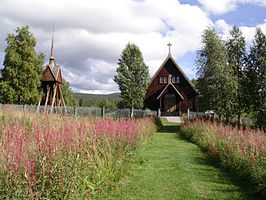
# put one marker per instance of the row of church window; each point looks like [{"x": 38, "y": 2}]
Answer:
[{"x": 174, "y": 79}]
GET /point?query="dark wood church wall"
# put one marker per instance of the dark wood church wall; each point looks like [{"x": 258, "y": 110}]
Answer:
[{"x": 155, "y": 88}]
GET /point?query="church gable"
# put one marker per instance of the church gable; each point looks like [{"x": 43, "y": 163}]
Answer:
[
  {"x": 175, "y": 90},
  {"x": 170, "y": 82},
  {"x": 170, "y": 67}
]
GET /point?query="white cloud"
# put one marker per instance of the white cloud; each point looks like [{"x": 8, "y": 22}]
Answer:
[
  {"x": 224, "y": 28},
  {"x": 90, "y": 35},
  {"x": 224, "y": 6},
  {"x": 249, "y": 32}
]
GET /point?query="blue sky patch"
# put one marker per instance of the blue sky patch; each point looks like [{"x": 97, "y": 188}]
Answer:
[{"x": 245, "y": 15}]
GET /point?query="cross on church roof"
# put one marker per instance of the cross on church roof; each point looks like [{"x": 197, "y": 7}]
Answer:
[{"x": 169, "y": 45}]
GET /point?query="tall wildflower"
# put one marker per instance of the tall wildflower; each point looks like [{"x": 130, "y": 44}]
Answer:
[
  {"x": 51, "y": 156},
  {"x": 244, "y": 151}
]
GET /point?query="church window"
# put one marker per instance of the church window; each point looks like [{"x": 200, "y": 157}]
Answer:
[
  {"x": 177, "y": 79},
  {"x": 173, "y": 79},
  {"x": 164, "y": 79},
  {"x": 161, "y": 79}
]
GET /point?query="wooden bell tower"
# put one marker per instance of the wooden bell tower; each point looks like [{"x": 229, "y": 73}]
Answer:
[{"x": 51, "y": 83}]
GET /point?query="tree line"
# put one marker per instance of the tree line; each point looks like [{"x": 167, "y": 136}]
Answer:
[
  {"x": 231, "y": 78},
  {"x": 100, "y": 100}
]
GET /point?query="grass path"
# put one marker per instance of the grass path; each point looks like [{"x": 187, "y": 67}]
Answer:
[{"x": 176, "y": 169}]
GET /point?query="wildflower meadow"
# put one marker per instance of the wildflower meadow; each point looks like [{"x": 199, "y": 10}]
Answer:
[
  {"x": 48, "y": 156},
  {"x": 242, "y": 151}
]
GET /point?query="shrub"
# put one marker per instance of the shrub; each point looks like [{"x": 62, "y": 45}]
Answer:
[{"x": 243, "y": 151}]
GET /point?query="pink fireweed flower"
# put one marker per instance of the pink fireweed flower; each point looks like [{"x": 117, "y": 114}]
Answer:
[
  {"x": 67, "y": 133},
  {"x": 122, "y": 128},
  {"x": 13, "y": 146},
  {"x": 82, "y": 133},
  {"x": 30, "y": 171}
]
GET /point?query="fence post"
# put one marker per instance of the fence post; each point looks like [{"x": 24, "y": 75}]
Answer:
[
  {"x": 103, "y": 112},
  {"x": 131, "y": 112},
  {"x": 24, "y": 107},
  {"x": 188, "y": 113},
  {"x": 65, "y": 111},
  {"x": 51, "y": 109},
  {"x": 158, "y": 112},
  {"x": 46, "y": 109},
  {"x": 75, "y": 111}
]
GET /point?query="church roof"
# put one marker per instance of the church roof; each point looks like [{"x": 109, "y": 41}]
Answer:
[
  {"x": 170, "y": 84},
  {"x": 169, "y": 57}
]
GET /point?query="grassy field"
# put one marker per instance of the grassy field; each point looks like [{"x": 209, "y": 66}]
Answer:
[
  {"x": 242, "y": 151},
  {"x": 175, "y": 168},
  {"x": 49, "y": 156}
]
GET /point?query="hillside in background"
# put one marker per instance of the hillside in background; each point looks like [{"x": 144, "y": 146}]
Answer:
[
  {"x": 97, "y": 96},
  {"x": 98, "y": 100}
]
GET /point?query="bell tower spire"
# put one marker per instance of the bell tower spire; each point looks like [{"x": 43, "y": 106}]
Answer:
[{"x": 52, "y": 59}]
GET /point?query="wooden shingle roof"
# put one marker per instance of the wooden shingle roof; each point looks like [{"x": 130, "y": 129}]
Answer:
[{"x": 169, "y": 57}]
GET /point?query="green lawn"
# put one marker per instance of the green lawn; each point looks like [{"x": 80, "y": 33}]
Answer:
[{"x": 174, "y": 168}]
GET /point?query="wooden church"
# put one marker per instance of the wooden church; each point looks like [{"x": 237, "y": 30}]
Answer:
[
  {"x": 51, "y": 83},
  {"x": 170, "y": 90}
]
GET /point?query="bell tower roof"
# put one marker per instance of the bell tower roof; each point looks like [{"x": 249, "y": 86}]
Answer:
[{"x": 52, "y": 72}]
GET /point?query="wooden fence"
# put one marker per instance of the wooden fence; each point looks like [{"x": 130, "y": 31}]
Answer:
[
  {"x": 84, "y": 111},
  {"x": 233, "y": 120}
]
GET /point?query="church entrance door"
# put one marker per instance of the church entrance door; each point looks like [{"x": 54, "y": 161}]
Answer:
[{"x": 169, "y": 103}]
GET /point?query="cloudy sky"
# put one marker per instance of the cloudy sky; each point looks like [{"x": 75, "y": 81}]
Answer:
[{"x": 90, "y": 34}]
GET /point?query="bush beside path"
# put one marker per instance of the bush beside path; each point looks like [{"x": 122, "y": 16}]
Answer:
[{"x": 175, "y": 168}]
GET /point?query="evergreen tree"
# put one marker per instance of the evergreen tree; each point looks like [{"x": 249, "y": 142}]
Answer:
[
  {"x": 216, "y": 83},
  {"x": 236, "y": 52},
  {"x": 107, "y": 103},
  {"x": 132, "y": 76},
  {"x": 257, "y": 77},
  {"x": 22, "y": 69},
  {"x": 68, "y": 95},
  {"x": 81, "y": 102}
]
